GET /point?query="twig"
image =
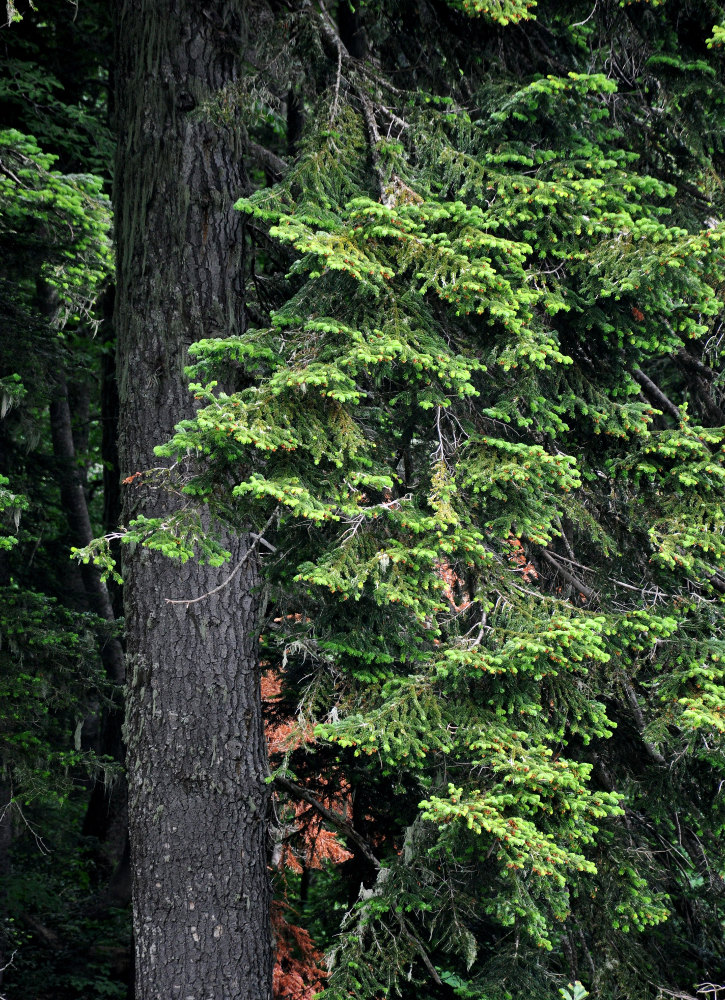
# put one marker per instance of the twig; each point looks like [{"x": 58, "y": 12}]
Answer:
[
  {"x": 4, "y": 968},
  {"x": 572, "y": 562},
  {"x": 8, "y": 171},
  {"x": 710, "y": 989},
  {"x": 39, "y": 842},
  {"x": 414, "y": 939},
  {"x": 578, "y": 24},
  {"x": 333, "y": 112},
  {"x": 440, "y": 451},
  {"x": 215, "y": 590}
]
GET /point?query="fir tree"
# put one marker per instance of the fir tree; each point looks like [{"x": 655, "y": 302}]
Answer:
[{"x": 476, "y": 418}]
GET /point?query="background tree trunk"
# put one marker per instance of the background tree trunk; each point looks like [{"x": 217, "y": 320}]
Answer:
[
  {"x": 198, "y": 800},
  {"x": 6, "y": 841}
]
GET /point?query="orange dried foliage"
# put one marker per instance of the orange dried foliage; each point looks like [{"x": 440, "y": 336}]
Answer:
[
  {"x": 318, "y": 844},
  {"x": 298, "y": 972},
  {"x": 452, "y": 581},
  {"x": 282, "y": 736},
  {"x": 517, "y": 558}
]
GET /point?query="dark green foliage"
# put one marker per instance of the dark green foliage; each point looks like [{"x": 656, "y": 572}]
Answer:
[
  {"x": 66, "y": 945},
  {"x": 56, "y": 256},
  {"x": 54, "y": 79},
  {"x": 50, "y": 677},
  {"x": 54, "y": 236}
]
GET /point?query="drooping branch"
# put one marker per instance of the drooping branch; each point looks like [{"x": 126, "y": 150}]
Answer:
[
  {"x": 258, "y": 539},
  {"x": 420, "y": 948}
]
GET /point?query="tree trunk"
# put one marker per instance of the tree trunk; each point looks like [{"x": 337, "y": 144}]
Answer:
[
  {"x": 198, "y": 800},
  {"x": 109, "y": 439},
  {"x": 6, "y": 842},
  {"x": 75, "y": 508},
  {"x": 106, "y": 816}
]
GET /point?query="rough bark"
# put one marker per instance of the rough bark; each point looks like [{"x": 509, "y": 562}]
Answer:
[{"x": 198, "y": 800}]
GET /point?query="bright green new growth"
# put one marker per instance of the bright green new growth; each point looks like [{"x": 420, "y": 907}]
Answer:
[{"x": 64, "y": 219}]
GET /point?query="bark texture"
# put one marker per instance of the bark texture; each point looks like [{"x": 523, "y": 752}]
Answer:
[{"x": 196, "y": 755}]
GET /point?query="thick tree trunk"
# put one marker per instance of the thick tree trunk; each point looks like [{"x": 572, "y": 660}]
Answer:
[{"x": 198, "y": 800}]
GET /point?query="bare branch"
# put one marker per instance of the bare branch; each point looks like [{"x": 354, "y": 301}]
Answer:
[
  {"x": 415, "y": 940},
  {"x": 266, "y": 158},
  {"x": 568, "y": 575},
  {"x": 640, "y": 723},
  {"x": 655, "y": 394},
  {"x": 334, "y": 818}
]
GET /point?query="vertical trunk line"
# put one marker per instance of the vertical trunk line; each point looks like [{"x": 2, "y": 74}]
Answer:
[{"x": 198, "y": 799}]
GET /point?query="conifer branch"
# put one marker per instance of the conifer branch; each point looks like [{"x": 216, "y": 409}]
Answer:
[{"x": 258, "y": 539}]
